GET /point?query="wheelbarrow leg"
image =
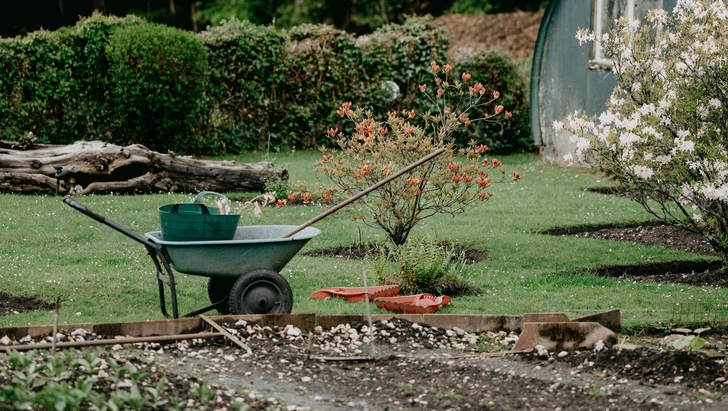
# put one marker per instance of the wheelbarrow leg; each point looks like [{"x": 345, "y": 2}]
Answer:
[{"x": 162, "y": 279}]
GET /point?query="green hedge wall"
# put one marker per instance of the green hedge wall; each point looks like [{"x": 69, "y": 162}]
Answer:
[{"x": 232, "y": 88}]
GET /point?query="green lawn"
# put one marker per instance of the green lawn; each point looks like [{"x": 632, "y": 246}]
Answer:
[{"x": 50, "y": 250}]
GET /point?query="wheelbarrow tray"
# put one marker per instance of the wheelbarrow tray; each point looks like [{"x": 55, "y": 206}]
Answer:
[{"x": 252, "y": 248}]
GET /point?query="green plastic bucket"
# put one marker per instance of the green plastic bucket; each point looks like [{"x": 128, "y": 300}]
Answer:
[{"x": 196, "y": 221}]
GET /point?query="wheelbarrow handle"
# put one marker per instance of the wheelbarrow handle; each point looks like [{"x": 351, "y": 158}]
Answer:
[{"x": 116, "y": 226}]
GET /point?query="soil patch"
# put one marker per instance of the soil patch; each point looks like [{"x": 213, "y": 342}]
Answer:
[
  {"x": 10, "y": 304},
  {"x": 699, "y": 273},
  {"x": 515, "y": 33},
  {"x": 408, "y": 366},
  {"x": 367, "y": 250}
]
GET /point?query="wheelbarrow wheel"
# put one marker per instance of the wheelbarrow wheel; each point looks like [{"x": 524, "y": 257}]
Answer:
[
  {"x": 261, "y": 292},
  {"x": 218, "y": 289}
]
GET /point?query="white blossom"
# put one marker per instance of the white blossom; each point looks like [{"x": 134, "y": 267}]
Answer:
[
  {"x": 607, "y": 117},
  {"x": 643, "y": 172}
]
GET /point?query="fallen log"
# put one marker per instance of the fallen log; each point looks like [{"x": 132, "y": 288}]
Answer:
[{"x": 87, "y": 167}]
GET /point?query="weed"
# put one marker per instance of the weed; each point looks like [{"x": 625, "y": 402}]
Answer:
[{"x": 423, "y": 266}]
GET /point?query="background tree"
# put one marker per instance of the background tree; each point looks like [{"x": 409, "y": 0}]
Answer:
[{"x": 354, "y": 16}]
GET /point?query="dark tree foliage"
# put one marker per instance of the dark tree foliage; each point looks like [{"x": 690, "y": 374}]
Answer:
[{"x": 354, "y": 16}]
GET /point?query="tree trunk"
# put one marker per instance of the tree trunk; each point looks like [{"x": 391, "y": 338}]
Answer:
[{"x": 97, "y": 167}]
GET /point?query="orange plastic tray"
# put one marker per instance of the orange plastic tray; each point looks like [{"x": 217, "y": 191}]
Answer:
[
  {"x": 412, "y": 304},
  {"x": 356, "y": 294}
]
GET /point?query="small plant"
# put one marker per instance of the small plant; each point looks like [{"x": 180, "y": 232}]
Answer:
[
  {"x": 692, "y": 341},
  {"x": 451, "y": 183},
  {"x": 423, "y": 266}
]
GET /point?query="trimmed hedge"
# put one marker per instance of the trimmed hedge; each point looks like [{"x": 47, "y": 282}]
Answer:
[
  {"x": 496, "y": 70},
  {"x": 246, "y": 76},
  {"x": 158, "y": 75},
  {"x": 232, "y": 88}
]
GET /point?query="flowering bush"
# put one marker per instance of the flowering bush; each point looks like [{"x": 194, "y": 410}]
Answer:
[
  {"x": 663, "y": 133},
  {"x": 451, "y": 183}
]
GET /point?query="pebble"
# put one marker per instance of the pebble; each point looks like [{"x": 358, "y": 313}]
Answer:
[{"x": 563, "y": 354}]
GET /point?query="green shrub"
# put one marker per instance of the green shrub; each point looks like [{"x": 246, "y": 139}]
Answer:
[
  {"x": 401, "y": 53},
  {"x": 39, "y": 83},
  {"x": 157, "y": 77},
  {"x": 497, "y": 71},
  {"x": 246, "y": 76},
  {"x": 233, "y": 88},
  {"x": 89, "y": 112},
  {"x": 323, "y": 68},
  {"x": 13, "y": 69}
]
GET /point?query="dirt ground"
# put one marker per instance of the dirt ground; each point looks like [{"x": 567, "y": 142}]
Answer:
[
  {"x": 512, "y": 32},
  {"x": 398, "y": 365}
]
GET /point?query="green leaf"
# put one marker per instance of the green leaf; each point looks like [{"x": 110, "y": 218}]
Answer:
[{"x": 683, "y": 342}]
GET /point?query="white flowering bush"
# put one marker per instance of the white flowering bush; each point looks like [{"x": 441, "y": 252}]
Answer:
[{"x": 664, "y": 134}]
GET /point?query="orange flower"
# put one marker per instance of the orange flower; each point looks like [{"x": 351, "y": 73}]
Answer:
[
  {"x": 438, "y": 80},
  {"x": 483, "y": 182},
  {"x": 281, "y": 203},
  {"x": 333, "y": 132},
  {"x": 466, "y": 77},
  {"x": 423, "y": 87},
  {"x": 516, "y": 176},
  {"x": 454, "y": 166},
  {"x": 467, "y": 178},
  {"x": 508, "y": 114},
  {"x": 440, "y": 92},
  {"x": 411, "y": 114},
  {"x": 418, "y": 192},
  {"x": 434, "y": 67},
  {"x": 446, "y": 68},
  {"x": 446, "y": 110},
  {"x": 481, "y": 148},
  {"x": 292, "y": 197},
  {"x": 383, "y": 130},
  {"x": 484, "y": 196},
  {"x": 457, "y": 178},
  {"x": 306, "y": 197},
  {"x": 408, "y": 130},
  {"x": 327, "y": 195},
  {"x": 366, "y": 169},
  {"x": 464, "y": 119},
  {"x": 498, "y": 109},
  {"x": 413, "y": 181},
  {"x": 326, "y": 159},
  {"x": 496, "y": 94},
  {"x": 486, "y": 162},
  {"x": 477, "y": 89},
  {"x": 344, "y": 109},
  {"x": 496, "y": 163}
]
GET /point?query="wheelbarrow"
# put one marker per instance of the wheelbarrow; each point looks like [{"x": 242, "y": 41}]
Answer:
[{"x": 244, "y": 273}]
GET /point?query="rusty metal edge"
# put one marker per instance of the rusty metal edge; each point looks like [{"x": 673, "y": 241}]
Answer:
[{"x": 469, "y": 323}]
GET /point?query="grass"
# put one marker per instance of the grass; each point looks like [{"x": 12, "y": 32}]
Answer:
[{"x": 50, "y": 250}]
